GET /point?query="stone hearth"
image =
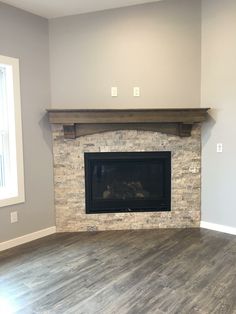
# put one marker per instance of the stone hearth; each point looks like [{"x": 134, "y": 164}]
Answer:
[{"x": 70, "y": 182}]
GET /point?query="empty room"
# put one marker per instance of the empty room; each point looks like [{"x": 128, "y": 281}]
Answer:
[{"x": 117, "y": 156}]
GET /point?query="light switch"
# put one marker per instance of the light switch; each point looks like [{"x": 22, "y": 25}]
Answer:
[
  {"x": 136, "y": 92},
  {"x": 114, "y": 92}
]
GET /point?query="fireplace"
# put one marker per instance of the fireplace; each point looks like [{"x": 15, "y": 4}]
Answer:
[
  {"x": 127, "y": 182},
  {"x": 81, "y": 134}
]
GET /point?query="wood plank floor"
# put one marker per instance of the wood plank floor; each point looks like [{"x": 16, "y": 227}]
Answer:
[{"x": 156, "y": 271}]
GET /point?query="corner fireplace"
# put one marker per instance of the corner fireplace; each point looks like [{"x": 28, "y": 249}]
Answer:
[{"x": 127, "y": 182}]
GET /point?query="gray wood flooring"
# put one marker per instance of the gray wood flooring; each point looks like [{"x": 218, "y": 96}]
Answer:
[{"x": 156, "y": 271}]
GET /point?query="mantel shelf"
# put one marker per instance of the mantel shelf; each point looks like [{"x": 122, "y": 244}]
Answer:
[{"x": 78, "y": 122}]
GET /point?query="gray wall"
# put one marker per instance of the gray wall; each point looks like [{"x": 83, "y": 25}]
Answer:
[
  {"x": 25, "y": 36},
  {"x": 155, "y": 46},
  {"x": 219, "y": 92}
]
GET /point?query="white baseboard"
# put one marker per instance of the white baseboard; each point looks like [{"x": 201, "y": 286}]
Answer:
[
  {"x": 45, "y": 232},
  {"x": 216, "y": 227},
  {"x": 27, "y": 238}
]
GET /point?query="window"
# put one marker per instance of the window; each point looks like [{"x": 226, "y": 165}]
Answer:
[{"x": 11, "y": 152}]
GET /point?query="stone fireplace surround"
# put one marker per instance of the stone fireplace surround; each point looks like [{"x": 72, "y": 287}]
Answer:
[{"x": 70, "y": 188}]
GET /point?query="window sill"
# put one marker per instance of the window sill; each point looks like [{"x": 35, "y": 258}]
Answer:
[{"x": 7, "y": 201}]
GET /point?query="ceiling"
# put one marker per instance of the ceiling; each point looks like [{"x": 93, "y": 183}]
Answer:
[{"x": 58, "y": 8}]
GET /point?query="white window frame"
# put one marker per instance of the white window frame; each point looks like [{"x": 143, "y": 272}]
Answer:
[{"x": 15, "y": 195}]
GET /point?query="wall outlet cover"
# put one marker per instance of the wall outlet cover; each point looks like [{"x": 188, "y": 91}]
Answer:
[
  {"x": 219, "y": 148},
  {"x": 136, "y": 91},
  {"x": 114, "y": 91},
  {"x": 14, "y": 217}
]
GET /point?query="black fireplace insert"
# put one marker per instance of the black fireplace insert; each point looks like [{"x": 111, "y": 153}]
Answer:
[{"x": 127, "y": 182}]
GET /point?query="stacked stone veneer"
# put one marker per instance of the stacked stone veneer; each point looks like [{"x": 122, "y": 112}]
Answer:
[{"x": 70, "y": 180}]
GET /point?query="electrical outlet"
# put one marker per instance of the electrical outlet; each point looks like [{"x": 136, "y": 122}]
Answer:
[
  {"x": 14, "y": 217},
  {"x": 136, "y": 91},
  {"x": 219, "y": 148},
  {"x": 114, "y": 92}
]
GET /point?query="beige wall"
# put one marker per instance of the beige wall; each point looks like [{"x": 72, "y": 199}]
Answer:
[
  {"x": 25, "y": 36},
  {"x": 219, "y": 92},
  {"x": 155, "y": 46}
]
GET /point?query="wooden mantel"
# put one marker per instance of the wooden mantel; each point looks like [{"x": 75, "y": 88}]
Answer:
[{"x": 78, "y": 122}]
